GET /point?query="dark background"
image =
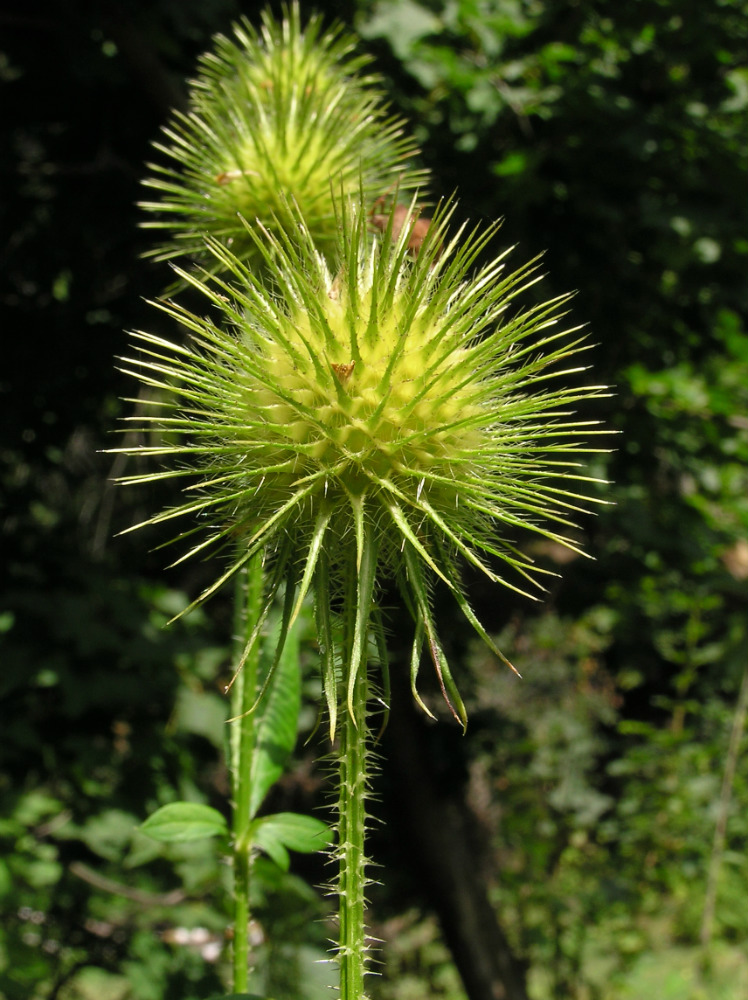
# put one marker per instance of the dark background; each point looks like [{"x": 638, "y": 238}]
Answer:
[{"x": 569, "y": 836}]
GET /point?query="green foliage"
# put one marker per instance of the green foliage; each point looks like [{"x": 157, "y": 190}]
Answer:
[
  {"x": 240, "y": 996},
  {"x": 417, "y": 959},
  {"x": 72, "y": 848},
  {"x": 276, "y": 719},
  {"x": 590, "y": 809},
  {"x": 179, "y": 822},
  {"x": 280, "y": 832},
  {"x": 703, "y": 442}
]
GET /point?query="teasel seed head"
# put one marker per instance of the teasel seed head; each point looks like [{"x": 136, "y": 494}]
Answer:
[
  {"x": 279, "y": 118},
  {"x": 383, "y": 417}
]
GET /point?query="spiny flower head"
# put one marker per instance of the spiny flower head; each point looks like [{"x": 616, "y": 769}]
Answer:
[
  {"x": 277, "y": 117},
  {"x": 388, "y": 416}
]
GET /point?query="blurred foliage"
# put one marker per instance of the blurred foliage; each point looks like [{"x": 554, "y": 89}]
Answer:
[
  {"x": 417, "y": 960},
  {"x": 602, "y": 825},
  {"x": 612, "y": 135}
]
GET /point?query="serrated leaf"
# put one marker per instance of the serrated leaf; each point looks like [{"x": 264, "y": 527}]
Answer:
[
  {"x": 281, "y": 832},
  {"x": 179, "y": 822}
]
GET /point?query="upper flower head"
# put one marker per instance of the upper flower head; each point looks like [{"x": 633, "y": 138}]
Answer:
[
  {"x": 274, "y": 117},
  {"x": 383, "y": 417}
]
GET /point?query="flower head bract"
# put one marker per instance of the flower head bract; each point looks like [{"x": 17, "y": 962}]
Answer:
[{"x": 386, "y": 417}]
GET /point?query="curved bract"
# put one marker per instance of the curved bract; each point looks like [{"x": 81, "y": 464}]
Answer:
[
  {"x": 278, "y": 117},
  {"x": 382, "y": 417}
]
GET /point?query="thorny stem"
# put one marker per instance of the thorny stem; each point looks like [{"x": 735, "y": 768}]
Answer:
[
  {"x": 352, "y": 822},
  {"x": 352, "y": 789},
  {"x": 244, "y": 692}
]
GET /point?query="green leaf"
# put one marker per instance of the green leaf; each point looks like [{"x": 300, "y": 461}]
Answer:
[
  {"x": 182, "y": 821},
  {"x": 403, "y": 23},
  {"x": 108, "y": 833},
  {"x": 281, "y": 832},
  {"x": 277, "y": 721},
  {"x": 240, "y": 996}
]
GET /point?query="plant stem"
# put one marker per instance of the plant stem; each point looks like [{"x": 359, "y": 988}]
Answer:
[
  {"x": 352, "y": 788},
  {"x": 720, "y": 831},
  {"x": 244, "y": 692}
]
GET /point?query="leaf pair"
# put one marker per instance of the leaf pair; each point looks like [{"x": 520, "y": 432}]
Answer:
[{"x": 275, "y": 731}]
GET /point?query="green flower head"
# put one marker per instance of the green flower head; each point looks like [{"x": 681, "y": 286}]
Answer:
[
  {"x": 388, "y": 417},
  {"x": 277, "y": 118}
]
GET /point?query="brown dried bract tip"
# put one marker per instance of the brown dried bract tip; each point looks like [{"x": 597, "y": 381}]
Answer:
[
  {"x": 343, "y": 372},
  {"x": 228, "y": 176},
  {"x": 402, "y": 217},
  {"x": 233, "y": 175},
  {"x": 334, "y": 292}
]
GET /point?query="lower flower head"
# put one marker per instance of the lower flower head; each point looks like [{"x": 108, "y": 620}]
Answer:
[{"x": 386, "y": 417}]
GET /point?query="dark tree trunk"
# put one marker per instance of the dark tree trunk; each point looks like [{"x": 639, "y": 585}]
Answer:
[{"x": 440, "y": 836}]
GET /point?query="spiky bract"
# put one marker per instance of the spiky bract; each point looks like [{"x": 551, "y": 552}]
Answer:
[
  {"x": 387, "y": 417},
  {"x": 277, "y": 117}
]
